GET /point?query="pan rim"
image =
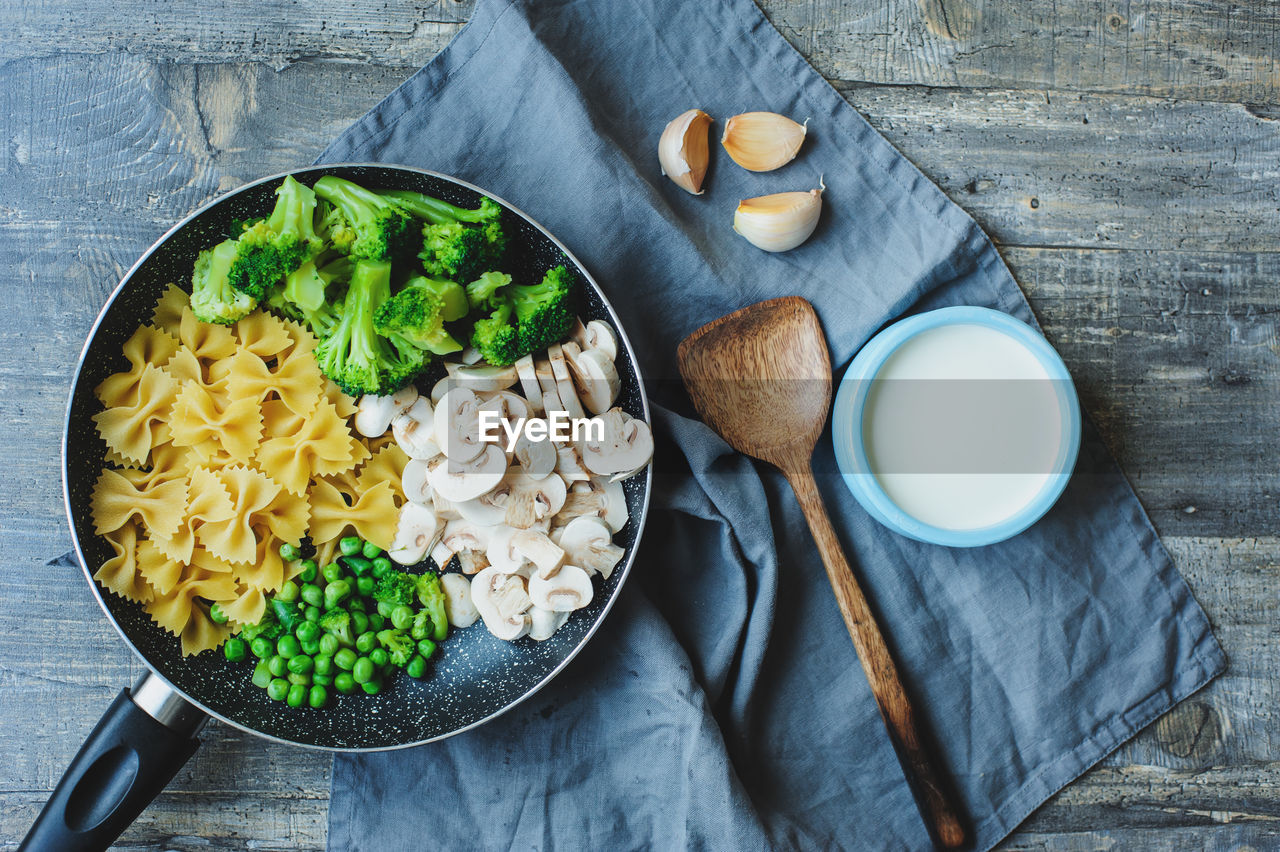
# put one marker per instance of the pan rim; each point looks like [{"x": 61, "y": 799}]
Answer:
[{"x": 98, "y": 594}]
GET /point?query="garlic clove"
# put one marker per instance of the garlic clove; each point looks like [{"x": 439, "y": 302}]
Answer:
[
  {"x": 762, "y": 141},
  {"x": 781, "y": 221},
  {"x": 684, "y": 151}
]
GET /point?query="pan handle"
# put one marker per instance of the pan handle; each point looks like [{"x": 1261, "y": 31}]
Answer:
[{"x": 141, "y": 742}]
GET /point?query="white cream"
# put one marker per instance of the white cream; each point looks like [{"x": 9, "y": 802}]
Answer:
[{"x": 962, "y": 426}]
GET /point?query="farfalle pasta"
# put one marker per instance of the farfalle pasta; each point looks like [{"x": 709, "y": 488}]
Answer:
[{"x": 219, "y": 442}]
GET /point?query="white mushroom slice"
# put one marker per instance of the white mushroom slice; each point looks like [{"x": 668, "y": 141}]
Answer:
[
  {"x": 482, "y": 377},
  {"x": 445, "y": 509},
  {"x": 536, "y": 458},
  {"x": 457, "y": 425},
  {"x": 501, "y": 550},
  {"x": 588, "y": 543},
  {"x": 570, "y": 589},
  {"x": 375, "y": 413},
  {"x": 457, "y": 482},
  {"x": 472, "y": 561},
  {"x": 564, "y": 382},
  {"x": 600, "y": 337},
  {"x": 464, "y": 535},
  {"x": 578, "y": 333},
  {"x": 471, "y": 355},
  {"x": 416, "y": 532},
  {"x": 413, "y": 430},
  {"x": 441, "y": 555},
  {"x": 414, "y": 483},
  {"x": 546, "y": 555},
  {"x": 532, "y": 500},
  {"x": 547, "y": 382},
  {"x": 529, "y": 384},
  {"x": 515, "y": 407},
  {"x": 440, "y": 388},
  {"x": 594, "y": 377},
  {"x": 569, "y": 464},
  {"x": 627, "y": 444},
  {"x": 458, "y": 606},
  {"x": 543, "y": 623},
  {"x": 497, "y": 597},
  {"x": 487, "y": 510},
  {"x": 597, "y": 498}
]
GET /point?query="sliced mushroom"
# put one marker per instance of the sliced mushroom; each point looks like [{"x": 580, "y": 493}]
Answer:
[
  {"x": 588, "y": 543},
  {"x": 482, "y": 377},
  {"x": 569, "y": 464},
  {"x": 462, "y": 481},
  {"x": 458, "y": 606},
  {"x": 416, "y": 532},
  {"x": 468, "y": 542},
  {"x": 414, "y": 483},
  {"x": 514, "y": 406},
  {"x": 543, "y": 623},
  {"x": 375, "y": 413},
  {"x": 564, "y": 382},
  {"x": 501, "y": 550},
  {"x": 413, "y": 430},
  {"x": 594, "y": 377},
  {"x": 487, "y": 510},
  {"x": 471, "y": 561},
  {"x": 570, "y": 589},
  {"x": 597, "y": 498},
  {"x": 457, "y": 425},
  {"x": 546, "y": 556},
  {"x": 471, "y": 355},
  {"x": 440, "y": 388},
  {"x": 446, "y": 510},
  {"x": 502, "y": 601},
  {"x": 532, "y": 500},
  {"x": 600, "y": 337},
  {"x": 441, "y": 555},
  {"x": 529, "y": 384},
  {"x": 627, "y": 444},
  {"x": 578, "y": 333},
  {"x": 547, "y": 382},
  {"x": 536, "y": 458}
]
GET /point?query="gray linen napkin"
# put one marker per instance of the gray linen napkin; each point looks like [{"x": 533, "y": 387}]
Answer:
[{"x": 721, "y": 704}]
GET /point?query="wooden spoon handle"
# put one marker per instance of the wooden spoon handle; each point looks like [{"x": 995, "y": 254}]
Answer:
[{"x": 895, "y": 708}]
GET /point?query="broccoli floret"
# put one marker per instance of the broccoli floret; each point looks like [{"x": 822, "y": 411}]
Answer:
[
  {"x": 400, "y": 647},
  {"x": 213, "y": 299},
  {"x": 287, "y": 613},
  {"x": 371, "y": 226},
  {"x": 273, "y": 247},
  {"x": 496, "y": 337},
  {"x": 267, "y": 627},
  {"x": 487, "y": 291},
  {"x": 354, "y": 355},
  {"x": 395, "y": 587},
  {"x": 306, "y": 293},
  {"x": 438, "y": 212},
  {"x": 416, "y": 316},
  {"x": 544, "y": 312},
  {"x": 457, "y": 242},
  {"x": 338, "y": 623},
  {"x": 431, "y": 596}
]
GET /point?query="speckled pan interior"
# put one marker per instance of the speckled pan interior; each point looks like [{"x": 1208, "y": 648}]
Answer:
[{"x": 475, "y": 676}]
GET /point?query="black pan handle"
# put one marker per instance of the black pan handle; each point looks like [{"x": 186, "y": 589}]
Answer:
[{"x": 141, "y": 742}]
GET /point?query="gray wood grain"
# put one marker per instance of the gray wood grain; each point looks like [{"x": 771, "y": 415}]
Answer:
[{"x": 1124, "y": 158}]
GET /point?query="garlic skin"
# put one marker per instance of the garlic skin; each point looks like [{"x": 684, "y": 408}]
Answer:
[
  {"x": 762, "y": 141},
  {"x": 684, "y": 150},
  {"x": 779, "y": 222}
]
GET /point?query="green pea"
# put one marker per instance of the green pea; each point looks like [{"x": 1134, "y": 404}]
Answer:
[
  {"x": 366, "y": 642},
  {"x": 379, "y": 657},
  {"x": 310, "y": 648},
  {"x": 385, "y": 608},
  {"x": 377, "y": 622},
  {"x": 322, "y": 680},
  {"x": 372, "y": 687},
  {"x": 357, "y": 604},
  {"x": 323, "y": 664},
  {"x": 359, "y": 622},
  {"x": 318, "y": 696},
  {"x": 235, "y": 650},
  {"x": 288, "y": 592},
  {"x": 332, "y": 572},
  {"x": 312, "y": 614},
  {"x": 217, "y": 615},
  {"x": 261, "y": 675},
  {"x": 329, "y": 644},
  {"x": 309, "y": 571},
  {"x": 370, "y": 550},
  {"x": 365, "y": 585},
  {"x": 287, "y": 646},
  {"x": 278, "y": 689},
  {"x": 262, "y": 648},
  {"x": 301, "y": 664},
  {"x": 381, "y": 565},
  {"x": 417, "y": 666},
  {"x": 402, "y": 617},
  {"x": 290, "y": 552},
  {"x": 358, "y": 565},
  {"x": 345, "y": 659},
  {"x": 277, "y": 665},
  {"x": 362, "y": 671},
  {"x": 336, "y": 592},
  {"x": 350, "y": 545},
  {"x": 313, "y": 594},
  {"x": 307, "y": 632},
  {"x": 297, "y": 695},
  {"x": 344, "y": 683},
  {"x": 295, "y": 678},
  {"x": 426, "y": 648}
]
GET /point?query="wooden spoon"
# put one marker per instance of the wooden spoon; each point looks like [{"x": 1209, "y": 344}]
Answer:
[{"x": 761, "y": 377}]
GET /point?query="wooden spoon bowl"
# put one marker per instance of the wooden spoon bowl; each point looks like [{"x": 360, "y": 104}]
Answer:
[{"x": 761, "y": 378}]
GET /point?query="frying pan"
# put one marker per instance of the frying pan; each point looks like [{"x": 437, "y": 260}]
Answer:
[{"x": 151, "y": 730}]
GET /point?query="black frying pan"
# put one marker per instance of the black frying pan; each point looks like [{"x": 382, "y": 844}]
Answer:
[{"x": 149, "y": 732}]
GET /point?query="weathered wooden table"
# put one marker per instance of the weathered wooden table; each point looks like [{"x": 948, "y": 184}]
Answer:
[{"x": 1125, "y": 156}]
